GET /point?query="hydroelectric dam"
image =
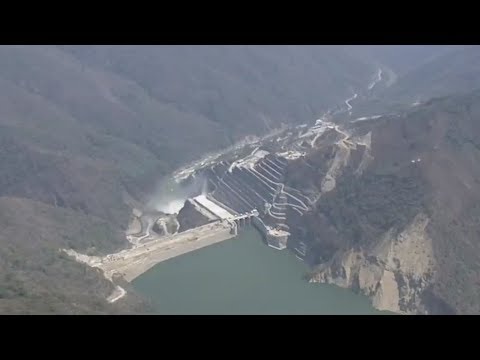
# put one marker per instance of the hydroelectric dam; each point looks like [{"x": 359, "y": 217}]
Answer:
[{"x": 248, "y": 188}]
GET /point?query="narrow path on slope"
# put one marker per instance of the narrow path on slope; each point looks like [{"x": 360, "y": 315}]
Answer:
[
  {"x": 377, "y": 79},
  {"x": 350, "y": 99},
  {"x": 117, "y": 294}
]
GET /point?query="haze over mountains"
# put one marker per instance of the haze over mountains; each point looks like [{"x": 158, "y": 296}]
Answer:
[
  {"x": 450, "y": 72},
  {"x": 84, "y": 128}
]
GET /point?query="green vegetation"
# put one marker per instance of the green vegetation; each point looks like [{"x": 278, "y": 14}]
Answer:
[
  {"x": 35, "y": 276},
  {"x": 444, "y": 134},
  {"x": 361, "y": 209},
  {"x": 80, "y": 126}
]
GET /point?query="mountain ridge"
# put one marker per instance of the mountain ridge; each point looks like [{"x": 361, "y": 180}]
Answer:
[
  {"x": 396, "y": 231},
  {"x": 76, "y": 135}
]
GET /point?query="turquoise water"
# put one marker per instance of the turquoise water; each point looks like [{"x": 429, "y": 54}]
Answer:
[{"x": 243, "y": 276}]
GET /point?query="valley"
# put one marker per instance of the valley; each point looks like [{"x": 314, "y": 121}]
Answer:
[
  {"x": 244, "y": 184},
  {"x": 358, "y": 162}
]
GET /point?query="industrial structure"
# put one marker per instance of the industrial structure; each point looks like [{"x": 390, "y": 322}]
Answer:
[{"x": 251, "y": 190}]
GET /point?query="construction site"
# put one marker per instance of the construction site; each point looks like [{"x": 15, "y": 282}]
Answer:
[{"x": 246, "y": 188}]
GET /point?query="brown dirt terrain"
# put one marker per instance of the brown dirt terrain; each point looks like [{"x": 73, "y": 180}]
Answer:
[
  {"x": 82, "y": 126},
  {"x": 386, "y": 200}
]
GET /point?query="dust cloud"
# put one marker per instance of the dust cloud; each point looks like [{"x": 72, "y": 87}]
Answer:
[{"x": 170, "y": 196}]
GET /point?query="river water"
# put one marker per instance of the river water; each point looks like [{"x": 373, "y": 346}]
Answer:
[{"x": 243, "y": 276}]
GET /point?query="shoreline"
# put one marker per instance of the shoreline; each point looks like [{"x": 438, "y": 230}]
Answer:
[
  {"x": 131, "y": 263},
  {"x": 134, "y": 267}
]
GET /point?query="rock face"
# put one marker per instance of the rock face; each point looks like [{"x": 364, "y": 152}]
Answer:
[
  {"x": 396, "y": 208},
  {"x": 394, "y": 273},
  {"x": 386, "y": 205}
]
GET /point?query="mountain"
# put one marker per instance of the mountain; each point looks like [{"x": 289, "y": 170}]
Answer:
[
  {"x": 247, "y": 89},
  {"x": 402, "y": 59},
  {"x": 454, "y": 71},
  {"x": 412, "y": 74},
  {"x": 83, "y": 129},
  {"x": 86, "y": 133},
  {"x": 401, "y": 222}
]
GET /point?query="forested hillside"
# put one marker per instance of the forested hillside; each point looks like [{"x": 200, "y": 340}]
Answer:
[{"x": 81, "y": 126}]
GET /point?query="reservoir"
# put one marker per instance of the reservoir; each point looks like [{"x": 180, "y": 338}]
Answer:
[{"x": 243, "y": 276}]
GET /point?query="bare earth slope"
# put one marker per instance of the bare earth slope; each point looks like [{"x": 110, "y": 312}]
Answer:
[
  {"x": 403, "y": 227},
  {"x": 82, "y": 126}
]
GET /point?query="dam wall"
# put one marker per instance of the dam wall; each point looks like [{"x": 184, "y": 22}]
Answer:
[
  {"x": 248, "y": 186},
  {"x": 131, "y": 263}
]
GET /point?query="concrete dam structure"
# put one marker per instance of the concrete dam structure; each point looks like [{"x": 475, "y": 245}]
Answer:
[
  {"x": 252, "y": 185},
  {"x": 132, "y": 262},
  {"x": 248, "y": 189}
]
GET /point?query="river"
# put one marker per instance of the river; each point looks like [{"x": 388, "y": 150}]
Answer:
[{"x": 243, "y": 276}]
